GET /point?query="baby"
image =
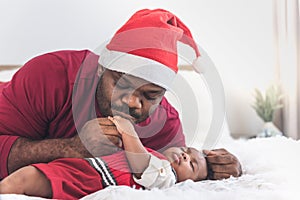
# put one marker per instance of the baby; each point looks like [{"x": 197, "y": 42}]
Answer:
[{"x": 136, "y": 166}]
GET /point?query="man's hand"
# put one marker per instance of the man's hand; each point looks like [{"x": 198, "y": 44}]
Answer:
[
  {"x": 100, "y": 137},
  {"x": 222, "y": 164}
]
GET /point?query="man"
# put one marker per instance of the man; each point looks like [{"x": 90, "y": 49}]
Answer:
[{"x": 55, "y": 106}]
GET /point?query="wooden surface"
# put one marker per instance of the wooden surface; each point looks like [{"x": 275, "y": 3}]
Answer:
[{"x": 8, "y": 67}]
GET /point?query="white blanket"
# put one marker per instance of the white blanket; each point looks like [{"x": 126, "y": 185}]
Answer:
[
  {"x": 270, "y": 166},
  {"x": 271, "y": 171}
]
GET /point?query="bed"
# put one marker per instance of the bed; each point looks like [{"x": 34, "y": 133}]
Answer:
[{"x": 270, "y": 171}]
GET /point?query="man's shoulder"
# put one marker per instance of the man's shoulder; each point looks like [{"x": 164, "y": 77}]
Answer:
[
  {"x": 70, "y": 54},
  {"x": 69, "y": 51},
  {"x": 61, "y": 61},
  {"x": 164, "y": 102},
  {"x": 57, "y": 58},
  {"x": 168, "y": 107}
]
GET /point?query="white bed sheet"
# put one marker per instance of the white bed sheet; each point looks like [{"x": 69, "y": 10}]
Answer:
[
  {"x": 270, "y": 166},
  {"x": 271, "y": 171}
]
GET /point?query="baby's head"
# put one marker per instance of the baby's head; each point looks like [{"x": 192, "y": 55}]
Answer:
[{"x": 188, "y": 162}]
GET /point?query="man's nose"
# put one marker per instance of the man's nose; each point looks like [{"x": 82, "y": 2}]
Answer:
[{"x": 132, "y": 100}]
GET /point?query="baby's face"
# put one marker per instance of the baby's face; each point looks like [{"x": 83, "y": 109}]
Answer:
[{"x": 188, "y": 163}]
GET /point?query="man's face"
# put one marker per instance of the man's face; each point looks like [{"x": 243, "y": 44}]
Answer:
[
  {"x": 189, "y": 163},
  {"x": 127, "y": 96}
]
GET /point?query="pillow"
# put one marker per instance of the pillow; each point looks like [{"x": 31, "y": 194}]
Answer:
[{"x": 191, "y": 97}]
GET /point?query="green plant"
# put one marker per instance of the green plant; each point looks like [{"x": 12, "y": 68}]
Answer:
[{"x": 265, "y": 105}]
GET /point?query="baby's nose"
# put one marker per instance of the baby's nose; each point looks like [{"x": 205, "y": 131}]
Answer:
[{"x": 185, "y": 156}]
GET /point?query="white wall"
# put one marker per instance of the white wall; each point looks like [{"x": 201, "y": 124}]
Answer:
[{"x": 237, "y": 34}]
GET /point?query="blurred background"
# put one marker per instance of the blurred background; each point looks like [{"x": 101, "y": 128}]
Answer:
[{"x": 253, "y": 44}]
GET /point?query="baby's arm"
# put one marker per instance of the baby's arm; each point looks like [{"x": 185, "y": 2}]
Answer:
[
  {"x": 27, "y": 180},
  {"x": 137, "y": 155}
]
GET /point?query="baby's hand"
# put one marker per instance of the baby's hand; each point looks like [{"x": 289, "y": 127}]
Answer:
[{"x": 123, "y": 125}]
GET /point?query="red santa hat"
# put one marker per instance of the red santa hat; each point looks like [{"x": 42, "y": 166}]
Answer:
[{"x": 146, "y": 47}]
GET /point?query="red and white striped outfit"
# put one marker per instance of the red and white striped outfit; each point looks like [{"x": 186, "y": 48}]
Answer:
[{"x": 73, "y": 178}]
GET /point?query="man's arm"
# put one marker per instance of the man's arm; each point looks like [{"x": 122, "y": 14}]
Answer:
[
  {"x": 25, "y": 151},
  {"x": 98, "y": 137},
  {"x": 222, "y": 164}
]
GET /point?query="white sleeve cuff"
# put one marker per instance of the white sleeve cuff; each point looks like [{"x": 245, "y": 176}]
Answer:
[{"x": 158, "y": 174}]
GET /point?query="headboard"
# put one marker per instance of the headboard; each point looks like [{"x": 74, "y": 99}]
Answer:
[{"x": 9, "y": 67}]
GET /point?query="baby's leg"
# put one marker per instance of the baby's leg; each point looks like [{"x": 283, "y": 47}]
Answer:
[{"x": 27, "y": 180}]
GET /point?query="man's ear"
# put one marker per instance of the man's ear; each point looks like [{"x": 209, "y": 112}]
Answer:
[{"x": 100, "y": 70}]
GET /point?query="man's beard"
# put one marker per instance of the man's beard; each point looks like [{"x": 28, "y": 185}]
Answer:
[
  {"x": 107, "y": 109},
  {"x": 129, "y": 111}
]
